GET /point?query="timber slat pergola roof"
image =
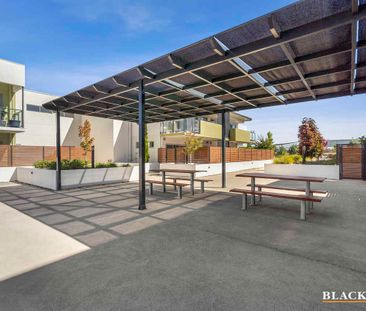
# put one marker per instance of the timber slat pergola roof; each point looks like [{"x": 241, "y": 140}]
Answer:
[{"x": 312, "y": 49}]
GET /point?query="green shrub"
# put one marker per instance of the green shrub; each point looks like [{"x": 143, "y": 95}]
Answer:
[
  {"x": 65, "y": 164},
  {"x": 288, "y": 159},
  {"x": 77, "y": 164},
  {"x": 105, "y": 165},
  {"x": 126, "y": 165},
  {"x": 45, "y": 164}
]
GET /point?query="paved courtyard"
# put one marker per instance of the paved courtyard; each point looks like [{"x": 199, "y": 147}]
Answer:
[{"x": 199, "y": 253}]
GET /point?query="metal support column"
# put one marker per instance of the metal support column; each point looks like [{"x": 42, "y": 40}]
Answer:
[
  {"x": 223, "y": 151},
  {"x": 142, "y": 199},
  {"x": 58, "y": 151},
  {"x": 23, "y": 107}
]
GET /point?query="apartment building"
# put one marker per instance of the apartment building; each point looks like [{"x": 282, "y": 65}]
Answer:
[{"x": 23, "y": 121}]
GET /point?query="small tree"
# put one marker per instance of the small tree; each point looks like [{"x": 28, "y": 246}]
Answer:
[
  {"x": 265, "y": 143},
  {"x": 191, "y": 145},
  {"x": 354, "y": 141},
  {"x": 281, "y": 151},
  {"x": 362, "y": 140},
  {"x": 147, "y": 155},
  {"x": 311, "y": 141},
  {"x": 294, "y": 149},
  {"x": 86, "y": 141}
]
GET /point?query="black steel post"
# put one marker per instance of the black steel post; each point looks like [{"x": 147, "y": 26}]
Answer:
[
  {"x": 92, "y": 156},
  {"x": 223, "y": 151},
  {"x": 58, "y": 151},
  {"x": 142, "y": 200}
]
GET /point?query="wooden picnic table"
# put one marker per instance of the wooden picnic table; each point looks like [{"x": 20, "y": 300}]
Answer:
[
  {"x": 182, "y": 171},
  {"x": 306, "y": 179}
]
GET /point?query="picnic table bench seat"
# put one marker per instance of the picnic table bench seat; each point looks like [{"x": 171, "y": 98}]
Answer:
[
  {"x": 177, "y": 185},
  {"x": 201, "y": 180},
  {"x": 287, "y": 188},
  {"x": 302, "y": 198}
]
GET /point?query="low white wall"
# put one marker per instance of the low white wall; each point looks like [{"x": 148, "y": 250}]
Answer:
[
  {"x": 327, "y": 171},
  {"x": 215, "y": 168},
  {"x": 37, "y": 177},
  {"x": 135, "y": 171},
  {"x": 7, "y": 174},
  {"x": 77, "y": 178}
]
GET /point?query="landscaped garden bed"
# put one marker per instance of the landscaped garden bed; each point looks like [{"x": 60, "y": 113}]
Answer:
[{"x": 76, "y": 173}]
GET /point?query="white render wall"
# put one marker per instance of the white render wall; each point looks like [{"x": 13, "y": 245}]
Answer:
[
  {"x": 12, "y": 73},
  {"x": 40, "y": 128},
  {"x": 125, "y": 137}
]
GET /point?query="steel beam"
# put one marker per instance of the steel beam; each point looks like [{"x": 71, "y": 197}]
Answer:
[{"x": 354, "y": 47}]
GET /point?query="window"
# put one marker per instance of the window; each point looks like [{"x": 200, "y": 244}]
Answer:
[
  {"x": 33, "y": 108},
  {"x": 151, "y": 144},
  {"x": 36, "y": 108},
  {"x": 137, "y": 145}
]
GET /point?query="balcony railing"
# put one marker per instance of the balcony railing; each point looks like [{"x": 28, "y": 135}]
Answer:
[
  {"x": 11, "y": 117},
  {"x": 180, "y": 126}
]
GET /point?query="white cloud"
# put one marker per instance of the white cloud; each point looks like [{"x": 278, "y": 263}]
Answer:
[
  {"x": 61, "y": 79},
  {"x": 134, "y": 16}
]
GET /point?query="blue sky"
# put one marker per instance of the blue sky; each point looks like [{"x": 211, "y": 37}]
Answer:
[{"x": 68, "y": 44}]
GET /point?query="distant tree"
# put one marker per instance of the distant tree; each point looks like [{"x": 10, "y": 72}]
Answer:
[
  {"x": 191, "y": 145},
  {"x": 294, "y": 149},
  {"x": 281, "y": 151},
  {"x": 362, "y": 140},
  {"x": 354, "y": 141},
  {"x": 265, "y": 142},
  {"x": 311, "y": 141},
  {"x": 86, "y": 140}
]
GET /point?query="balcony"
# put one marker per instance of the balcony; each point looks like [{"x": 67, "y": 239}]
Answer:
[
  {"x": 180, "y": 126},
  {"x": 210, "y": 130},
  {"x": 11, "y": 120},
  {"x": 240, "y": 136}
]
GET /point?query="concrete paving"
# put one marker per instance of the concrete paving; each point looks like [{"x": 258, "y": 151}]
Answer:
[
  {"x": 199, "y": 253},
  {"x": 27, "y": 244}
]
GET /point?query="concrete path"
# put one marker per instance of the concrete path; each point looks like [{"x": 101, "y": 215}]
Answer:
[
  {"x": 199, "y": 253},
  {"x": 27, "y": 244}
]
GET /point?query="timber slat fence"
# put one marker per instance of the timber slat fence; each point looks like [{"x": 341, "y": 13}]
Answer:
[
  {"x": 27, "y": 155},
  {"x": 352, "y": 161},
  {"x": 213, "y": 155}
]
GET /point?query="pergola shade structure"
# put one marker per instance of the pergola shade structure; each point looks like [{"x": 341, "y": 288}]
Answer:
[{"x": 312, "y": 49}]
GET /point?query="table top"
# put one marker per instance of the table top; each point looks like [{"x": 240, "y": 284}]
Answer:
[
  {"x": 176, "y": 170},
  {"x": 282, "y": 177}
]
